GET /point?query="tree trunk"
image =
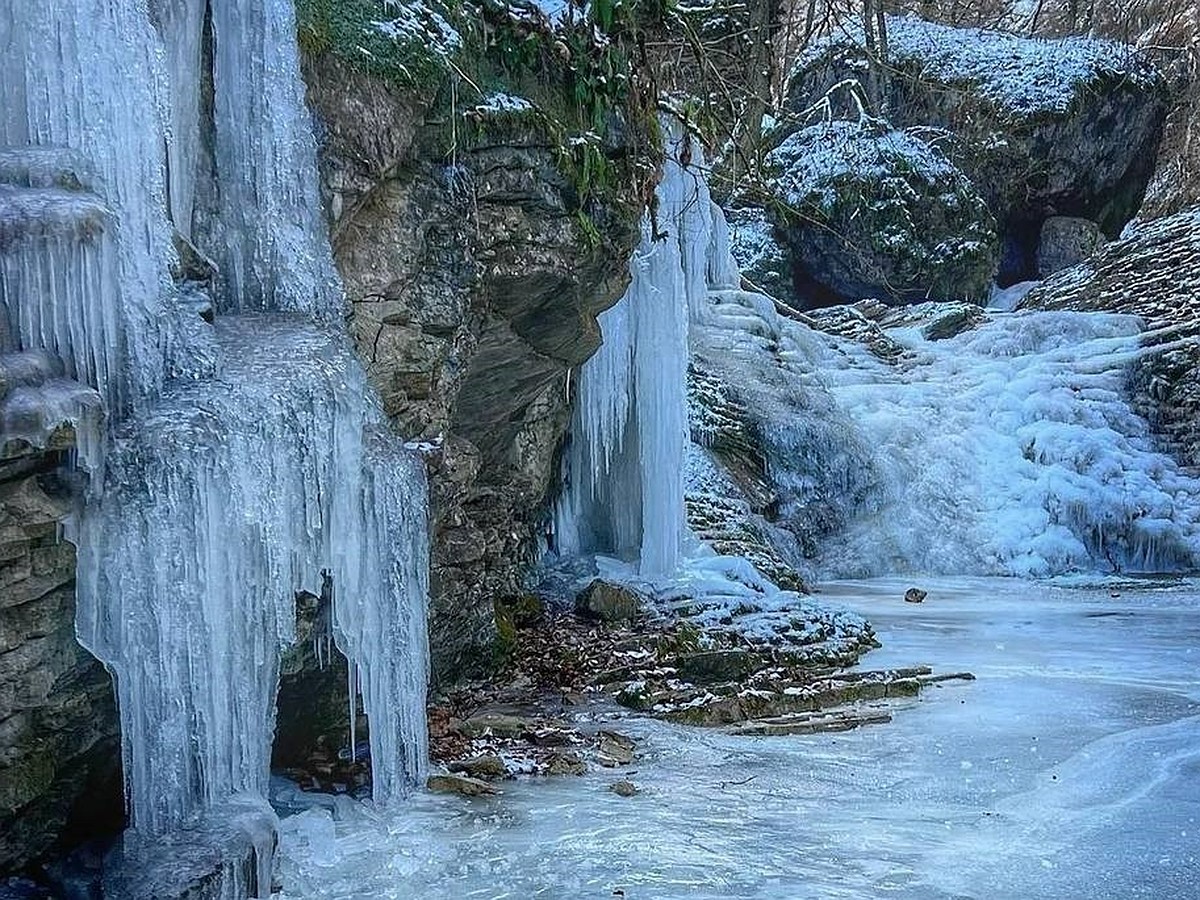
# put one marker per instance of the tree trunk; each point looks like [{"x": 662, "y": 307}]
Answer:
[
  {"x": 882, "y": 62},
  {"x": 869, "y": 20}
]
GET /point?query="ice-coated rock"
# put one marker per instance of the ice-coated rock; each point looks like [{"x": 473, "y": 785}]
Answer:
[{"x": 1041, "y": 127}]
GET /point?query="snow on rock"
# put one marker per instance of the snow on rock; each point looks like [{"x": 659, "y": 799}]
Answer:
[
  {"x": 1022, "y": 76},
  {"x": 499, "y": 103},
  {"x": 759, "y": 252},
  {"x": 872, "y": 211},
  {"x": 1041, "y": 127},
  {"x": 813, "y": 161},
  {"x": 1153, "y": 272},
  {"x": 416, "y": 21}
]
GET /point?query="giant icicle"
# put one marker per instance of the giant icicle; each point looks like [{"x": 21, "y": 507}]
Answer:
[
  {"x": 624, "y": 467},
  {"x": 244, "y": 457},
  {"x": 80, "y": 75},
  {"x": 233, "y": 494}
]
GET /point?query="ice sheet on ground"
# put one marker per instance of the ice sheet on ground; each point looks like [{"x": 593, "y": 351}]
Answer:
[{"x": 1066, "y": 770}]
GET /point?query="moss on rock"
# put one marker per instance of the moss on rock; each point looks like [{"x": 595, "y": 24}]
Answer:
[{"x": 872, "y": 211}]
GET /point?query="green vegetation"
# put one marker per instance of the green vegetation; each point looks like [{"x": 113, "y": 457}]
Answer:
[
  {"x": 406, "y": 42},
  {"x": 582, "y": 84}
]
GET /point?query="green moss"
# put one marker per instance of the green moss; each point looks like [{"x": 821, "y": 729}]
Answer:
[
  {"x": 410, "y": 43},
  {"x": 506, "y": 634},
  {"x": 593, "y": 99},
  {"x": 27, "y": 779},
  {"x": 686, "y": 638}
]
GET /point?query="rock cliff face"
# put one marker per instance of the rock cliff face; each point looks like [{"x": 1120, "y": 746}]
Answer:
[
  {"x": 60, "y": 770},
  {"x": 474, "y": 288}
]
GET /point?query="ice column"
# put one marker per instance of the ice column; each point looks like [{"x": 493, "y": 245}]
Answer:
[
  {"x": 245, "y": 456},
  {"x": 80, "y": 74},
  {"x": 271, "y": 239},
  {"x": 235, "y": 493},
  {"x": 623, "y": 472}
]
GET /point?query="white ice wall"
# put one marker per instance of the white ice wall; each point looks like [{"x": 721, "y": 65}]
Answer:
[
  {"x": 244, "y": 457},
  {"x": 623, "y": 472}
]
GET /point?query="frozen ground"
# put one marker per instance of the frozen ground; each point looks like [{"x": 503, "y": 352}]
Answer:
[{"x": 1069, "y": 769}]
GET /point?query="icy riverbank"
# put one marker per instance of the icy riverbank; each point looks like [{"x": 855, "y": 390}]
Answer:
[{"x": 1064, "y": 771}]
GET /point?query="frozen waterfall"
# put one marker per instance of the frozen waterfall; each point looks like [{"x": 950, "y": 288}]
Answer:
[
  {"x": 81, "y": 152},
  {"x": 233, "y": 494},
  {"x": 623, "y": 471},
  {"x": 1009, "y": 449},
  {"x": 245, "y": 456},
  {"x": 264, "y": 225}
]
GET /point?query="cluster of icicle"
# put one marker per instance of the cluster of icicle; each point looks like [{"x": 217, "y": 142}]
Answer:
[
  {"x": 623, "y": 469},
  {"x": 243, "y": 458},
  {"x": 234, "y": 493}
]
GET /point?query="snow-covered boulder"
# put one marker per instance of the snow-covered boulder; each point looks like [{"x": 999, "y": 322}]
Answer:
[
  {"x": 760, "y": 250},
  {"x": 1066, "y": 241},
  {"x": 871, "y": 211},
  {"x": 1042, "y": 127}
]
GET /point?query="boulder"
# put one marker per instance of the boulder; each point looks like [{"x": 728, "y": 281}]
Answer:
[
  {"x": 624, "y": 788},
  {"x": 486, "y": 767},
  {"x": 564, "y": 762},
  {"x": 608, "y": 602},
  {"x": 459, "y": 784},
  {"x": 868, "y": 210},
  {"x": 615, "y": 749},
  {"x": 717, "y": 666},
  {"x": 497, "y": 723},
  {"x": 1042, "y": 127},
  {"x": 1066, "y": 241}
]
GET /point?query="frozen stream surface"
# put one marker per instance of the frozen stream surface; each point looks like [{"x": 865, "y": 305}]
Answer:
[{"x": 1069, "y": 769}]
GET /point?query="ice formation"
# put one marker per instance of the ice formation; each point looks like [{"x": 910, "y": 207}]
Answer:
[
  {"x": 1009, "y": 449},
  {"x": 623, "y": 473},
  {"x": 244, "y": 457},
  {"x": 1060, "y": 773},
  {"x": 233, "y": 494},
  {"x": 78, "y": 78}
]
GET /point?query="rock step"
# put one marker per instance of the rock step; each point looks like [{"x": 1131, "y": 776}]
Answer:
[
  {"x": 37, "y": 213},
  {"x": 59, "y": 414},
  {"x": 815, "y": 723},
  {"x": 45, "y": 167},
  {"x": 781, "y": 698}
]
